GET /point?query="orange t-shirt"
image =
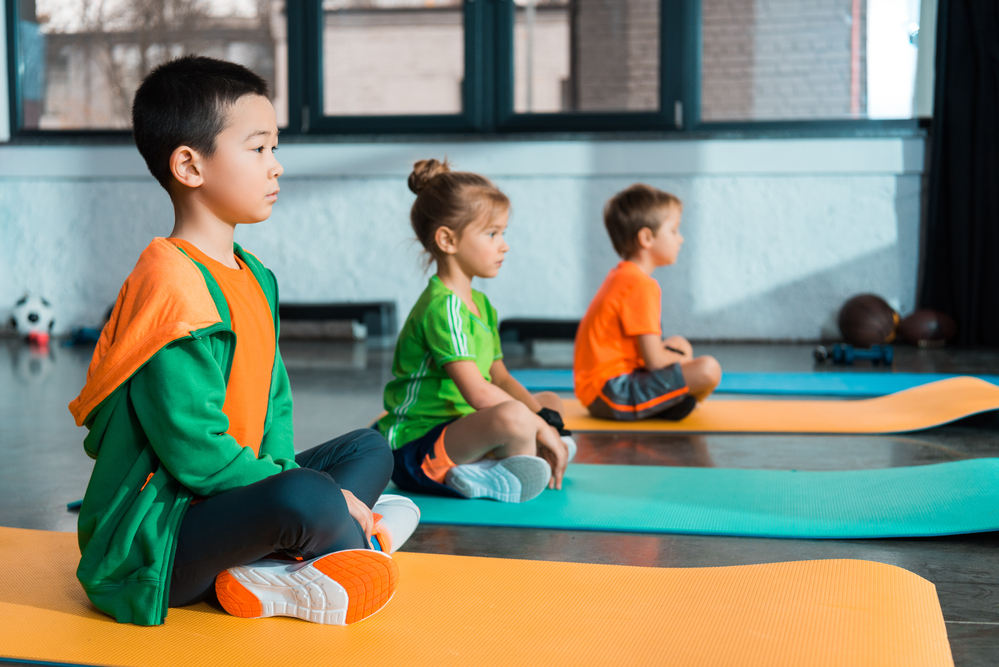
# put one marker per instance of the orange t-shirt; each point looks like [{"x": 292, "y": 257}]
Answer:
[
  {"x": 627, "y": 305},
  {"x": 248, "y": 392}
]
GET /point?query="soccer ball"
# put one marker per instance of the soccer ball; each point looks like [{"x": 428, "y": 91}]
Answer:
[{"x": 33, "y": 318}]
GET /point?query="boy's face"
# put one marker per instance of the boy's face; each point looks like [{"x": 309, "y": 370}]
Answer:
[
  {"x": 241, "y": 179},
  {"x": 667, "y": 240}
]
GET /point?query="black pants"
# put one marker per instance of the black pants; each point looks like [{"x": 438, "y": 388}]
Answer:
[{"x": 299, "y": 512}]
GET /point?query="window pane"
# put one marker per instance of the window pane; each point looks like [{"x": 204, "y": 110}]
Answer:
[
  {"x": 821, "y": 59},
  {"x": 386, "y": 57},
  {"x": 82, "y": 61},
  {"x": 586, "y": 55}
]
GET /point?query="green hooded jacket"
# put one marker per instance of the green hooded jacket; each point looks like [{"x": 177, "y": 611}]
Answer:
[{"x": 153, "y": 406}]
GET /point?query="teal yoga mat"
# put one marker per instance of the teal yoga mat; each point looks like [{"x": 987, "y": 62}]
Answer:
[
  {"x": 939, "y": 499},
  {"x": 859, "y": 384}
]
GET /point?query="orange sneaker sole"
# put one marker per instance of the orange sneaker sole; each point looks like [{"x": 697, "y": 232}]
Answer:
[
  {"x": 235, "y": 598},
  {"x": 336, "y": 589},
  {"x": 369, "y": 577}
]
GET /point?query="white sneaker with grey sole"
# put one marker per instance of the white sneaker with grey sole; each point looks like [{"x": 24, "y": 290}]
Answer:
[
  {"x": 515, "y": 479},
  {"x": 571, "y": 444}
]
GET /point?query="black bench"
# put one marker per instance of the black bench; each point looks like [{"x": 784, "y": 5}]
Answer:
[
  {"x": 526, "y": 329},
  {"x": 336, "y": 320}
]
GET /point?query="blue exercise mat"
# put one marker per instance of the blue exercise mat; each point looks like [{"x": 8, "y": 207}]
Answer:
[
  {"x": 939, "y": 499},
  {"x": 776, "y": 384}
]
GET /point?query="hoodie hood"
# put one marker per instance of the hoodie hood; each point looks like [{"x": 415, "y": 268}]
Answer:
[{"x": 164, "y": 299}]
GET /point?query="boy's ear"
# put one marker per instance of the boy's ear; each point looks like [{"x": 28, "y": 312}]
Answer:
[
  {"x": 446, "y": 240},
  {"x": 645, "y": 237},
  {"x": 186, "y": 166}
]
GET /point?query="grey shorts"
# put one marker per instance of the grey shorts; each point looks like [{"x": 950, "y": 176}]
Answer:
[{"x": 640, "y": 394}]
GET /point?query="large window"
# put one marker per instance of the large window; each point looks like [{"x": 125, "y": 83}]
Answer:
[
  {"x": 481, "y": 66},
  {"x": 79, "y": 62},
  {"x": 392, "y": 57},
  {"x": 808, "y": 59},
  {"x": 586, "y": 55}
]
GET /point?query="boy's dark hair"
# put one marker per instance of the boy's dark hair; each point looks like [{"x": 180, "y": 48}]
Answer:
[
  {"x": 630, "y": 210},
  {"x": 184, "y": 102}
]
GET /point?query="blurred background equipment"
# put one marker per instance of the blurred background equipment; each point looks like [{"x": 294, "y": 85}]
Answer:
[
  {"x": 866, "y": 320},
  {"x": 927, "y": 328},
  {"x": 338, "y": 321},
  {"x": 846, "y": 354},
  {"x": 33, "y": 319}
]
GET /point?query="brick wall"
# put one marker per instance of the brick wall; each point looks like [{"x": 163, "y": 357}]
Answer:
[
  {"x": 780, "y": 59},
  {"x": 617, "y": 55}
]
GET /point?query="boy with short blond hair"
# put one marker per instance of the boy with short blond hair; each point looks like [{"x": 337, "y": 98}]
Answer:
[
  {"x": 623, "y": 368},
  {"x": 188, "y": 402}
]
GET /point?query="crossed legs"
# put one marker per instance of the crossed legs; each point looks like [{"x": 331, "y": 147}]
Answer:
[
  {"x": 300, "y": 512},
  {"x": 702, "y": 374}
]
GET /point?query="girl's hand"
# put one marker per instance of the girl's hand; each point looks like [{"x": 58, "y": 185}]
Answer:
[
  {"x": 361, "y": 514},
  {"x": 552, "y": 449}
]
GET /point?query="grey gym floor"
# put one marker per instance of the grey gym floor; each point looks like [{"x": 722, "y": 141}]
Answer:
[{"x": 337, "y": 387}]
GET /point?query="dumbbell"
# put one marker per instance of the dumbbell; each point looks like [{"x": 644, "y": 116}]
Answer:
[{"x": 847, "y": 354}]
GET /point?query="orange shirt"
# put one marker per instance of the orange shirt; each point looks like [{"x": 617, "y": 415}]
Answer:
[
  {"x": 248, "y": 391},
  {"x": 627, "y": 305}
]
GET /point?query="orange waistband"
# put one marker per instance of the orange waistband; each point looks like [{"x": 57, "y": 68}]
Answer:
[{"x": 647, "y": 404}]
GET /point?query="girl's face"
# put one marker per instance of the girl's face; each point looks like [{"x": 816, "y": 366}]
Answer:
[{"x": 481, "y": 248}]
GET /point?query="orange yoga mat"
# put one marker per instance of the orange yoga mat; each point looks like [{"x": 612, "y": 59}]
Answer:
[
  {"x": 914, "y": 409},
  {"x": 456, "y": 610}
]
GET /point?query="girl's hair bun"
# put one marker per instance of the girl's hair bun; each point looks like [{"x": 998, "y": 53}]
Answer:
[{"x": 424, "y": 171}]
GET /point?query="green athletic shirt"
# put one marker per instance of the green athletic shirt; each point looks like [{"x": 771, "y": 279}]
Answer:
[{"x": 440, "y": 329}]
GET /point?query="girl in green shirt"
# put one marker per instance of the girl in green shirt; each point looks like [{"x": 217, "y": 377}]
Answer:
[{"x": 458, "y": 423}]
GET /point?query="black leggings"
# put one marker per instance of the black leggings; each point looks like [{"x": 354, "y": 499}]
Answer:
[{"x": 300, "y": 512}]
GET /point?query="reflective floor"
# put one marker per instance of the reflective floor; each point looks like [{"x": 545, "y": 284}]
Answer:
[{"x": 337, "y": 387}]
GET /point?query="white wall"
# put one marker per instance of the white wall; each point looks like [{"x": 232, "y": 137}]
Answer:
[{"x": 779, "y": 232}]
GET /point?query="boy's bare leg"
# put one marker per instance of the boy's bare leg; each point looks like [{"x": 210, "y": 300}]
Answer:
[
  {"x": 682, "y": 344},
  {"x": 702, "y": 376}
]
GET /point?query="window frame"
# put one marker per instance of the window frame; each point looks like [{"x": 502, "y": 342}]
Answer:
[
  {"x": 487, "y": 95},
  {"x": 676, "y": 19},
  {"x": 306, "y": 22},
  {"x": 16, "y": 111}
]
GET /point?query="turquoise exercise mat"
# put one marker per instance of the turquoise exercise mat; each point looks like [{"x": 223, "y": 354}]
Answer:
[
  {"x": 831, "y": 384},
  {"x": 938, "y": 499},
  {"x": 861, "y": 384}
]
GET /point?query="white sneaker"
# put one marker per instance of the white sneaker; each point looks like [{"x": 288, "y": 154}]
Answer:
[
  {"x": 571, "y": 444},
  {"x": 396, "y": 517},
  {"x": 336, "y": 589},
  {"x": 515, "y": 479}
]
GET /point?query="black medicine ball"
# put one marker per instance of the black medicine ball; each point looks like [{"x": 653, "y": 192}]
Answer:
[
  {"x": 927, "y": 328},
  {"x": 866, "y": 320}
]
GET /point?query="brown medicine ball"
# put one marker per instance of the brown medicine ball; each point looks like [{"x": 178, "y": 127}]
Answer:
[
  {"x": 927, "y": 328},
  {"x": 866, "y": 320}
]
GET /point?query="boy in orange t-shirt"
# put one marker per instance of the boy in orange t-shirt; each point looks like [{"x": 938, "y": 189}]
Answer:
[
  {"x": 623, "y": 368},
  {"x": 197, "y": 492}
]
